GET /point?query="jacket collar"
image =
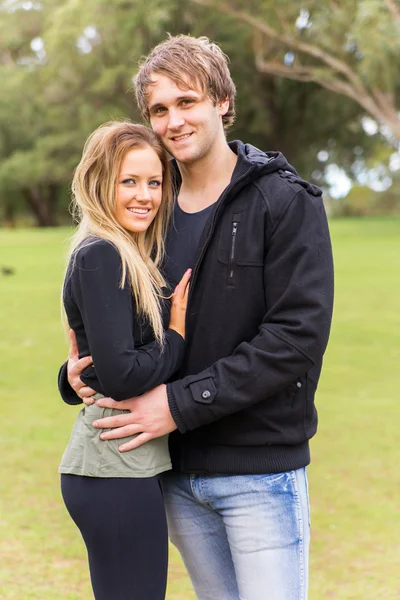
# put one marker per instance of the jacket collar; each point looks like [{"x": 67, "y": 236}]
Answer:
[{"x": 253, "y": 164}]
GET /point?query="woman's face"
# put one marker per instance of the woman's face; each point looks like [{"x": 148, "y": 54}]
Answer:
[{"x": 139, "y": 189}]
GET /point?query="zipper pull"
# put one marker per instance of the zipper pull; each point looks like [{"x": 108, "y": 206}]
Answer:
[{"x": 232, "y": 255}]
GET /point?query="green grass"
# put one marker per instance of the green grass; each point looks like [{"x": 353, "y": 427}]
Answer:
[{"x": 354, "y": 476}]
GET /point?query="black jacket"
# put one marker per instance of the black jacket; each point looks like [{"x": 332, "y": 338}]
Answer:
[
  {"x": 127, "y": 361},
  {"x": 258, "y": 322}
]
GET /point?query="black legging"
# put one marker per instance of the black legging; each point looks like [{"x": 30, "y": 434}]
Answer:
[{"x": 122, "y": 522}]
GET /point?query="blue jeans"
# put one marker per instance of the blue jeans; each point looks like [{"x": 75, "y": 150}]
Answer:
[{"x": 241, "y": 537}]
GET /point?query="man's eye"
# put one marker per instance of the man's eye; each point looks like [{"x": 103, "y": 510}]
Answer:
[{"x": 187, "y": 101}]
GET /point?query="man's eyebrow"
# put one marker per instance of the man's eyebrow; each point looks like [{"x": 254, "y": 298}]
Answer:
[{"x": 153, "y": 107}]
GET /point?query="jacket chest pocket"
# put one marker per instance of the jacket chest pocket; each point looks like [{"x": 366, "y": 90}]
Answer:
[{"x": 241, "y": 244}]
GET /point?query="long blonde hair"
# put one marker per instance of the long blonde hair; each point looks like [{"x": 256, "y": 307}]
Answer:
[{"x": 94, "y": 203}]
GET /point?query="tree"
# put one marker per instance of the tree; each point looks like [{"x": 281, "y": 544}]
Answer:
[
  {"x": 351, "y": 48},
  {"x": 65, "y": 69},
  {"x": 276, "y": 113}
]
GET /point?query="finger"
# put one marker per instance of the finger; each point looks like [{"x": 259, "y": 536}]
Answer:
[
  {"x": 73, "y": 346},
  {"x": 135, "y": 443},
  {"x": 115, "y": 421},
  {"x": 85, "y": 393},
  {"x": 80, "y": 365},
  {"x": 185, "y": 279},
  {"x": 110, "y": 403},
  {"x": 180, "y": 288},
  {"x": 186, "y": 293},
  {"x": 121, "y": 432},
  {"x": 88, "y": 401}
]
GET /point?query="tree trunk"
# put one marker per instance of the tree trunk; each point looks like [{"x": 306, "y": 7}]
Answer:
[
  {"x": 42, "y": 201},
  {"x": 9, "y": 215}
]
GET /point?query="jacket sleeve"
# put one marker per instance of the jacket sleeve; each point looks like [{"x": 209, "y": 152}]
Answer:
[
  {"x": 107, "y": 311},
  {"x": 298, "y": 282}
]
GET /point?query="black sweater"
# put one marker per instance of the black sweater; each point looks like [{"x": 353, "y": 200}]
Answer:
[{"x": 127, "y": 360}]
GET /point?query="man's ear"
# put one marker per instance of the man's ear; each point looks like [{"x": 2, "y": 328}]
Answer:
[{"x": 223, "y": 106}]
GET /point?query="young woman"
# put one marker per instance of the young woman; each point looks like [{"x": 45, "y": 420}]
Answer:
[{"x": 116, "y": 302}]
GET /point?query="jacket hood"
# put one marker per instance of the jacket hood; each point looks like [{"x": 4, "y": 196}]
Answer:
[{"x": 265, "y": 163}]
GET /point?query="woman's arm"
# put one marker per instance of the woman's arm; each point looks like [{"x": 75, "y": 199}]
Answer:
[{"x": 108, "y": 312}]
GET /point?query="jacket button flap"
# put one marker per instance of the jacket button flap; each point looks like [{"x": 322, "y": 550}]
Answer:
[{"x": 203, "y": 391}]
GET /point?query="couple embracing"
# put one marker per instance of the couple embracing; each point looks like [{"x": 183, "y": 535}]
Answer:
[{"x": 199, "y": 290}]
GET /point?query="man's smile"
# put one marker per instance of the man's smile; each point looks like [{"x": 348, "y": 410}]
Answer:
[{"x": 180, "y": 138}]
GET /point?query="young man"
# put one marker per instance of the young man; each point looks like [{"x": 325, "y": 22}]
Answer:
[{"x": 258, "y": 322}]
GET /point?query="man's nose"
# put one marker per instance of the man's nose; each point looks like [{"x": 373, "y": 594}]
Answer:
[{"x": 175, "y": 119}]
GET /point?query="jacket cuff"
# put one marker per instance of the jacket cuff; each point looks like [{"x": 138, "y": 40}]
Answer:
[
  {"x": 66, "y": 391},
  {"x": 174, "y": 410}
]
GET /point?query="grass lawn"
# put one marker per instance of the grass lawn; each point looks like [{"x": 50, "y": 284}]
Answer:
[{"x": 354, "y": 476}]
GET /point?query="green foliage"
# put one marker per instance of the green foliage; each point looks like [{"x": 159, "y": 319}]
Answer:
[
  {"x": 377, "y": 36},
  {"x": 361, "y": 201},
  {"x": 55, "y": 96},
  {"x": 351, "y": 48},
  {"x": 67, "y": 67}
]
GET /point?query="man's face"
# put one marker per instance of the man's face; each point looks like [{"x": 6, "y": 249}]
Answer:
[{"x": 188, "y": 123}]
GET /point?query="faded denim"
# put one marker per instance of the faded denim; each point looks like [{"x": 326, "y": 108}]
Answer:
[{"x": 242, "y": 537}]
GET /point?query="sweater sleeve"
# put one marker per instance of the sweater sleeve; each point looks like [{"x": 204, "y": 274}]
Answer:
[
  {"x": 107, "y": 311},
  {"x": 66, "y": 391},
  {"x": 293, "y": 334}
]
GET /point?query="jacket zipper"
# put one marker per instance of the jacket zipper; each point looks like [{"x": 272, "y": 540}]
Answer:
[
  {"x": 233, "y": 248},
  {"x": 199, "y": 260},
  {"x": 210, "y": 233}
]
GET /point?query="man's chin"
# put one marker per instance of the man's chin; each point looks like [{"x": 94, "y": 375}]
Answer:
[
  {"x": 184, "y": 156},
  {"x": 180, "y": 154}
]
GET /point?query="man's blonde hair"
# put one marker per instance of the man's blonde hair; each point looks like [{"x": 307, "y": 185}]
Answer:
[
  {"x": 192, "y": 63},
  {"x": 94, "y": 190}
]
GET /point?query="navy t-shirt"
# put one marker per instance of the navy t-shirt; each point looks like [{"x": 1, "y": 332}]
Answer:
[
  {"x": 184, "y": 236},
  {"x": 182, "y": 241}
]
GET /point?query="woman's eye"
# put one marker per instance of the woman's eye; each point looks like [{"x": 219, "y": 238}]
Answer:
[
  {"x": 187, "y": 102},
  {"x": 155, "y": 183},
  {"x": 129, "y": 181}
]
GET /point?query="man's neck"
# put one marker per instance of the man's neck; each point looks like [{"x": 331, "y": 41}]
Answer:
[{"x": 204, "y": 180}]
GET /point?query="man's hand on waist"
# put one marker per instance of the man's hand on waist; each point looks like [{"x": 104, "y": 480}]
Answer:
[{"x": 149, "y": 416}]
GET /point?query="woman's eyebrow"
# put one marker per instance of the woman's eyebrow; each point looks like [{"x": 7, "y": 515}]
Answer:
[{"x": 133, "y": 175}]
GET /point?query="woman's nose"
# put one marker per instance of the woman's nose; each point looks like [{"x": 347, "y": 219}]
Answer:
[{"x": 143, "y": 193}]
